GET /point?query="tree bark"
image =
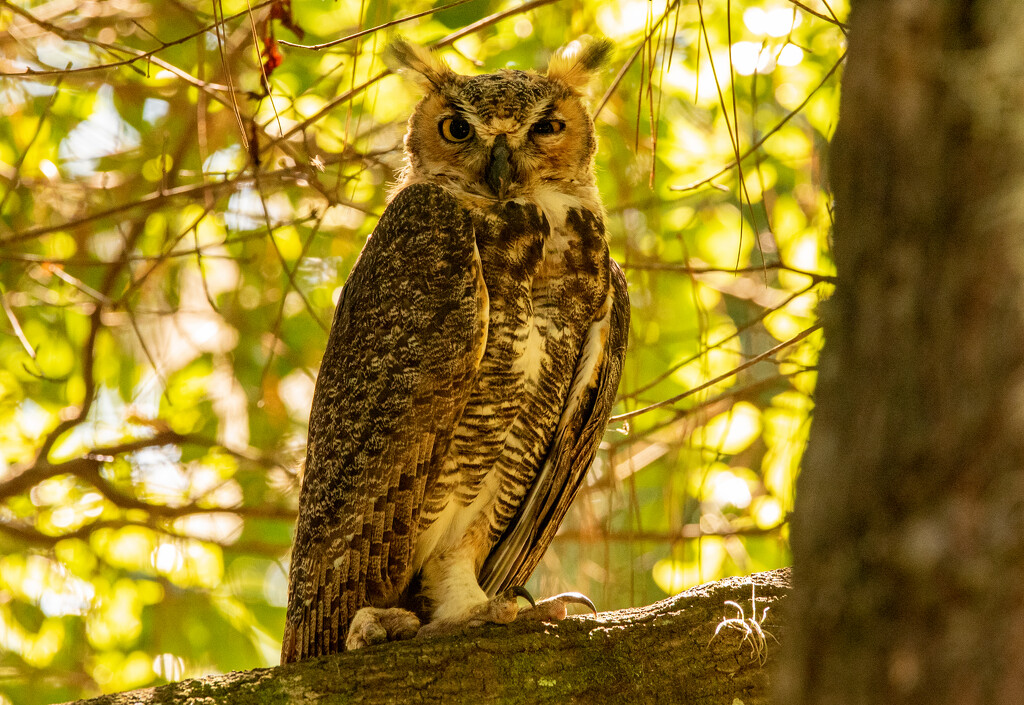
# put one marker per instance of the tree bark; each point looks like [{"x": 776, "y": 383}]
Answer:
[
  {"x": 908, "y": 537},
  {"x": 665, "y": 653}
]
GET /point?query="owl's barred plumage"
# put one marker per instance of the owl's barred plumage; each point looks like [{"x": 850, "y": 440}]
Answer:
[{"x": 470, "y": 369}]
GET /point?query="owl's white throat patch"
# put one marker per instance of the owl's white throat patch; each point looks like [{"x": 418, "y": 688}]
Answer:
[{"x": 554, "y": 203}]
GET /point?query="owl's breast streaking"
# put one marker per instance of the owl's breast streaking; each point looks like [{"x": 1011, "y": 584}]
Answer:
[{"x": 546, "y": 282}]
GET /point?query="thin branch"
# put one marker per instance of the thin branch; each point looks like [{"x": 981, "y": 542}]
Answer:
[
  {"x": 757, "y": 145},
  {"x": 15, "y": 325},
  {"x": 371, "y": 30},
  {"x": 492, "y": 19},
  {"x": 156, "y": 199},
  {"x": 31, "y": 535},
  {"x": 708, "y": 407},
  {"x": 43, "y": 116},
  {"x": 24, "y": 477},
  {"x": 276, "y": 327},
  {"x": 835, "y": 18},
  {"x": 828, "y": 18},
  {"x": 289, "y": 272},
  {"x": 80, "y": 285},
  {"x": 89, "y": 382},
  {"x": 721, "y": 378},
  {"x": 704, "y": 351},
  {"x": 74, "y": 36},
  {"x": 815, "y": 277},
  {"x": 685, "y": 533},
  {"x": 90, "y": 472}
]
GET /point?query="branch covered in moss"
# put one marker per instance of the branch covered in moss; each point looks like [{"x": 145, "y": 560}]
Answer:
[{"x": 692, "y": 648}]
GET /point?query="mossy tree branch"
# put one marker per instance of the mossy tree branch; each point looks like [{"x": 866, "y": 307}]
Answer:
[{"x": 666, "y": 652}]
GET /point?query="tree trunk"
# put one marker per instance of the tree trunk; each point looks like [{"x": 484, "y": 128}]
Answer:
[
  {"x": 908, "y": 539},
  {"x": 664, "y": 653}
]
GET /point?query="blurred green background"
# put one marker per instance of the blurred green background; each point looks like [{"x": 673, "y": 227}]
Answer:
[{"x": 181, "y": 197}]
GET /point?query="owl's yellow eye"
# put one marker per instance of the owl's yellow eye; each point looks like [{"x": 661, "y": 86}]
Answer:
[
  {"x": 455, "y": 129},
  {"x": 547, "y": 127}
]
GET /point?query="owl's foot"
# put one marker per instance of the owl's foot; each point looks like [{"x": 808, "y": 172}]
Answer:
[
  {"x": 375, "y": 625},
  {"x": 500, "y": 609},
  {"x": 555, "y": 608}
]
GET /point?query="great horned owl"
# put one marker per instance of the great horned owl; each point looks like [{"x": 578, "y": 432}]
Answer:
[{"x": 470, "y": 370}]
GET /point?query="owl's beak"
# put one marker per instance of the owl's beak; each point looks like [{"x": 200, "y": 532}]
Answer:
[{"x": 499, "y": 167}]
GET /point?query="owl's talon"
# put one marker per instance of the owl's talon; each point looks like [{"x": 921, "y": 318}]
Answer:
[
  {"x": 373, "y": 633},
  {"x": 375, "y": 625},
  {"x": 524, "y": 593},
  {"x": 503, "y": 608},
  {"x": 556, "y": 608}
]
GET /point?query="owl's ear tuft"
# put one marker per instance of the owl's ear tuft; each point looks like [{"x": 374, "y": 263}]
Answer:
[
  {"x": 418, "y": 64},
  {"x": 576, "y": 63}
]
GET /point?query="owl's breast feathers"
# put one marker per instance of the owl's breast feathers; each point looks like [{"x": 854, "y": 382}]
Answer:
[
  {"x": 546, "y": 286},
  {"x": 469, "y": 373}
]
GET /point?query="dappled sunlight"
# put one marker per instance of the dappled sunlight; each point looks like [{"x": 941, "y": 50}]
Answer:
[
  {"x": 731, "y": 432},
  {"x": 750, "y": 57},
  {"x": 103, "y": 134},
  {"x": 675, "y": 575},
  {"x": 47, "y": 583},
  {"x": 728, "y": 488},
  {"x": 181, "y": 201},
  {"x": 36, "y": 646},
  {"x": 775, "y": 22},
  {"x": 623, "y": 19}
]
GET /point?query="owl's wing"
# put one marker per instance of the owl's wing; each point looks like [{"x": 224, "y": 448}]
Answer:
[
  {"x": 404, "y": 349},
  {"x": 577, "y": 437}
]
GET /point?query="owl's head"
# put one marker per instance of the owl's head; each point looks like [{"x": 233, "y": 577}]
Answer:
[{"x": 505, "y": 135}]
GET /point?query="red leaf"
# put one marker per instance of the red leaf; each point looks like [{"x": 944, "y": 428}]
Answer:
[{"x": 272, "y": 56}]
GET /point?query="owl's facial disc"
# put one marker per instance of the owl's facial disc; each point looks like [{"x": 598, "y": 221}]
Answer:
[{"x": 511, "y": 135}]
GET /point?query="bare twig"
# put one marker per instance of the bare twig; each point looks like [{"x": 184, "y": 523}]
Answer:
[
  {"x": 821, "y": 16},
  {"x": 686, "y": 533},
  {"x": 140, "y": 56},
  {"x": 15, "y": 325},
  {"x": 764, "y": 138},
  {"x": 720, "y": 378},
  {"x": 159, "y": 198},
  {"x": 372, "y": 30}
]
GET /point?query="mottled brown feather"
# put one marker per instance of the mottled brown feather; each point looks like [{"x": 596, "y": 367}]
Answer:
[
  {"x": 514, "y": 557},
  {"x": 402, "y": 355}
]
